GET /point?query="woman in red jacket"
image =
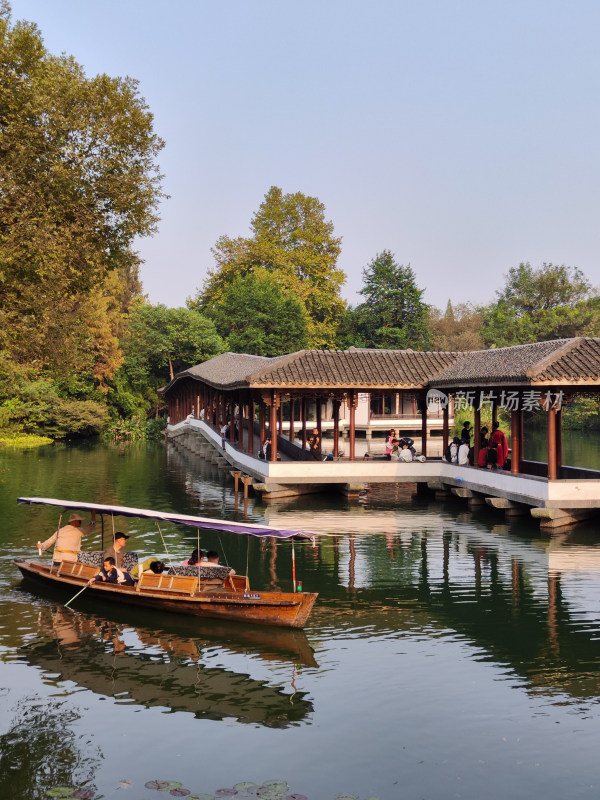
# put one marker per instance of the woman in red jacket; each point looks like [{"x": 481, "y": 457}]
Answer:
[{"x": 498, "y": 440}]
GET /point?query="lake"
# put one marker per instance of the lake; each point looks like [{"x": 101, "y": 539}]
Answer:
[{"x": 450, "y": 653}]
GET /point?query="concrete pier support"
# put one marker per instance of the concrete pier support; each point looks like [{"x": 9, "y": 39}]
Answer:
[
  {"x": 552, "y": 518},
  {"x": 473, "y": 498},
  {"x": 510, "y": 508}
]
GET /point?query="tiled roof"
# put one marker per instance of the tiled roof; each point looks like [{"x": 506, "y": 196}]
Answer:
[
  {"x": 227, "y": 371},
  {"x": 561, "y": 360},
  {"x": 353, "y": 368}
]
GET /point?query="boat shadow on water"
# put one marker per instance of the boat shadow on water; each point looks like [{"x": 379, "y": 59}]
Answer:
[{"x": 163, "y": 668}]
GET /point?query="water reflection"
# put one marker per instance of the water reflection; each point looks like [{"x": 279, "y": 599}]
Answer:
[{"x": 159, "y": 668}]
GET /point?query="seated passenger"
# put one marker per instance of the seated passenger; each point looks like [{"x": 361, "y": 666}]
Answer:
[
  {"x": 110, "y": 574},
  {"x": 463, "y": 454},
  {"x": 156, "y": 568},
  {"x": 212, "y": 560},
  {"x": 146, "y": 566},
  {"x": 405, "y": 453},
  {"x": 410, "y": 443},
  {"x": 119, "y": 543},
  {"x": 194, "y": 559}
]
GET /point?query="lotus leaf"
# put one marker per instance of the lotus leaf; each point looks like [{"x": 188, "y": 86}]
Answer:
[
  {"x": 225, "y": 792},
  {"x": 180, "y": 792},
  {"x": 61, "y": 791},
  {"x": 246, "y": 786}
]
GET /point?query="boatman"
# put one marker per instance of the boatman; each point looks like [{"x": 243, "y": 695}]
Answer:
[{"x": 67, "y": 540}]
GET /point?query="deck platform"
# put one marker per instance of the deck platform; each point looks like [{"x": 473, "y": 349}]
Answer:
[{"x": 555, "y": 503}]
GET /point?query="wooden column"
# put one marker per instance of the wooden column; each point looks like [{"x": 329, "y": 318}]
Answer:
[
  {"x": 291, "y": 434},
  {"x": 232, "y": 420},
  {"x": 477, "y": 431},
  {"x": 273, "y": 426},
  {"x": 494, "y": 414},
  {"x": 303, "y": 418},
  {"x": 352, "y": 401},
  {"x": 241, "y": 420},
  {"x": 251, "y": 424},
  {"x": 559, "y": 449},
  {"x": 318, "y": 415},
  {"x": 515, "y": 442},
  {"x": 336, "y": 426},
  {"x": 552, "y": 471},
  {"x": 262, "y": 421},
  {"x": 445, "y": 430},
  {"x": 423, "y": 424}
]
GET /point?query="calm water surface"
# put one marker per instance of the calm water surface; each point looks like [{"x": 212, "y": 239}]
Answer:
[{"x": 450, "y": 654}]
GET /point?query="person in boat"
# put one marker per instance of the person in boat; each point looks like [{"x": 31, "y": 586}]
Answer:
[
  {"x": 194, "y": 559},
  {"x": 110, "y": 574},
  {"x": 117, "y": 547},
  {"x": 148, "y": 565},
  {"x": 67, "y": 540},
  {"x": 212, "y": 560}
]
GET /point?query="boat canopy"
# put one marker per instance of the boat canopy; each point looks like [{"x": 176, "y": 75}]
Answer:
[{"x": 246, "y": 528}]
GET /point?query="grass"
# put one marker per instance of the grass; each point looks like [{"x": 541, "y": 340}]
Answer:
[{"x": 23, "y": 440}]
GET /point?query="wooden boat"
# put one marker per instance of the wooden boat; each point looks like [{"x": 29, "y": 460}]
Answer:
[{"x": 201, "y": 594}]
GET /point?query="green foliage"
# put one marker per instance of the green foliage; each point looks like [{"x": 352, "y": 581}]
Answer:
[
  {"x": 551, "y": 302},
  {"x": 457, "y": 329},
  {"x": 294, "y": 243},
  {"x": 256, "y": 317},
  {"x": 135, "y": 428},
  {"x": 393, "y": 314},
  {"x": 79, "y": 184},
  {"x": 159, "y": 342}
]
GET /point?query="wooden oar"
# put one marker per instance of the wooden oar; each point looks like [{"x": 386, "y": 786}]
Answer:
[{"x": 77, "y": 595}]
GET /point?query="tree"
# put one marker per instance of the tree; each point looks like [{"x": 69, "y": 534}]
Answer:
[
  {"x": 160, "y": 342},
  {"x": 78, "y": 183},
  {"x": 292, "y": 241},
  {"x": 550, "y": 302},
  {"x": 255, "y": 316},
  {"x": 457, "y": 329},
  {"x": 393, "y": 315}
]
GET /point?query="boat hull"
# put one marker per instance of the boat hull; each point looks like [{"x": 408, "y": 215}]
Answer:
[{"x": 263, "y": 608}]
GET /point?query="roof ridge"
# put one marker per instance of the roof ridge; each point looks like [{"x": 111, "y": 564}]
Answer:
[
  {"x": 276, "y": 362},
  {"x": 546, "y": 361}
]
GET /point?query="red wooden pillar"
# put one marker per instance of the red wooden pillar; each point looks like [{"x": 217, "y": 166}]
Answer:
[
  {"x": 292, "y": 404},
  {"x": 303, "y": 417},
  {"x": 477, "y": 426},
  {"x": 336, "y": 426},
  {"x": 352, "y": 400},
  {"x": 232, "y": 419},
  {"x": 241, "y": 421},
  {"x": 515, "y": 442},
  {"x": 552, "y": 471},
  {"x": 423, "y": 424},
  {"x": 559, "y": 449},
  {"x": 494, "y": 414},
  {"x": 250, "y": 424},
  {"x": 445, "y": 430},
  {"x": 318, "y": 415},
  {"x": 274, "y": 408},
  {"x": 262, "y": 421}
]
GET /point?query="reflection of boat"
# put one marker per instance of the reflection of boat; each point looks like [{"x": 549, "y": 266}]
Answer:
[
  {"x": 193, "y": 593},
  {"x": 156, "y": 671}
]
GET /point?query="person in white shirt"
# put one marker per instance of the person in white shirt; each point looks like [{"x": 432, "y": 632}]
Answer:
[{"x": 463, "y": 454}]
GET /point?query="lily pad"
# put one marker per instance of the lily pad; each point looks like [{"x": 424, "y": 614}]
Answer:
[
  {"x": 296, "y": 797},
  {"x": 201, "y": 797},
  {"x": 225, "y": 792},
  {"x": 83, "y": 794},
  {"x": 163, "y": 786},
  {"x": 272, "y": 794},
  {"x": 246, "y": 786},
  {"x": 61, "y": 791},
  {"x": 275, "y": 785},
  {"x": 180, "y": 792}
]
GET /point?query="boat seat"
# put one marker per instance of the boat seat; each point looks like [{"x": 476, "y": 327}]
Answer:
[
  {"x": 95, "y": 558},
  {"x": 77, "y": 568},
  {"x": 186, "y": 584},
  {"x": 211, "y": 578}
]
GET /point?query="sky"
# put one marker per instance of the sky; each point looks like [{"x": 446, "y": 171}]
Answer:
[{"x": 462, "y": 135}]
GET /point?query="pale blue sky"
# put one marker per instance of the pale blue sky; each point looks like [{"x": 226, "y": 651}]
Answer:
[{"x": 462, "y": 135}]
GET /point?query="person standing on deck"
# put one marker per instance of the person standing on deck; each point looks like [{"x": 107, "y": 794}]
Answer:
[
  {"x": 117, "y": 547},
  {"x": 498, "y": 441},
  {"x": 67, "y": 540}
]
